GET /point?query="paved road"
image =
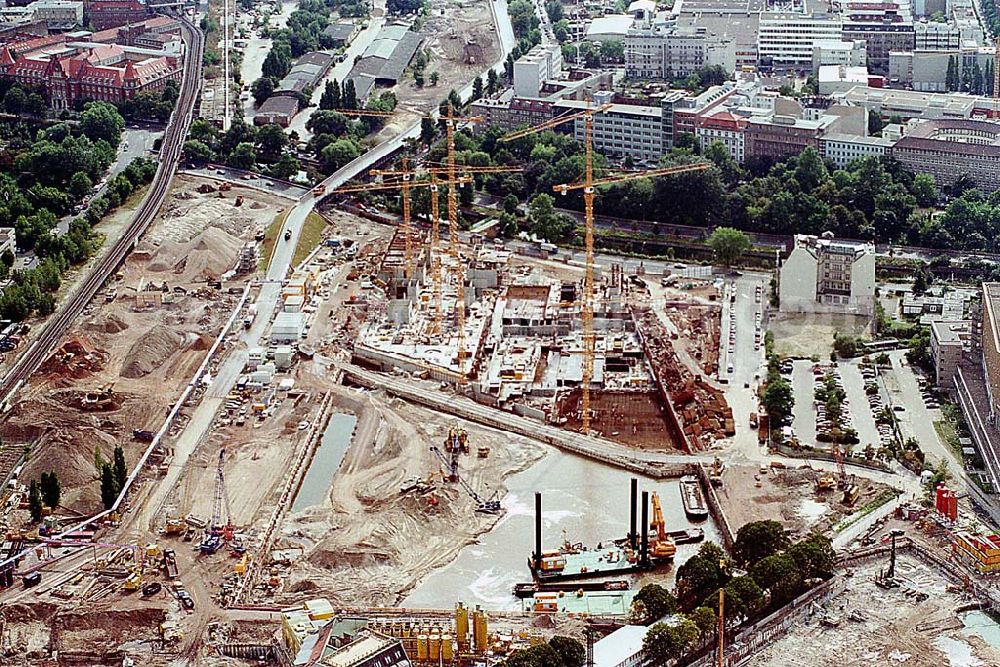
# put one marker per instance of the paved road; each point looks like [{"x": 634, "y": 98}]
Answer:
[
  {"x": 256, "y": 51},
  {"x": 250, "y": 179}
]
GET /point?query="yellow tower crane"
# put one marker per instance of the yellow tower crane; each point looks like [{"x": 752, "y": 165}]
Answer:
[
  {"x": 405, "y": 175},
  {"x": 589, "y": 185},
  {"x": 996, "y": 79},
  {"x": 363, "y": 112}
]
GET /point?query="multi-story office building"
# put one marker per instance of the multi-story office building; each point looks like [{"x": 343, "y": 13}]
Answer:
[
  {"x": 623, "y": 131},
  {"x": 950, "y": 149},
  {"x": 936, "y": 36},
  {"x": 881, "y": 38},
  {"x": 822, "y": 274},
  {"x": 542, "y": 62},
  {"x": 839, "y": 52},
  {"x": 788, "y": 40},
  {"x": 777, "y": 136},
  {"x": 664, "y": 51},
  {"x": 725, "y": 128}
]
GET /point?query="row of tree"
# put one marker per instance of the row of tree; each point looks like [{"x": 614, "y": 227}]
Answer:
[
  {"x": 243, "y": 146},
  {"x": 113, "y": 475},
  {"x": 974, "y": 79},
  {"x": 777, "y": 571}
]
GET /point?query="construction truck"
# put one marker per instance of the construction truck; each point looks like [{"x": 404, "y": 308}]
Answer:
[
  {"x": 170, "y": 563},
  {"x": 174, "y": 526}
]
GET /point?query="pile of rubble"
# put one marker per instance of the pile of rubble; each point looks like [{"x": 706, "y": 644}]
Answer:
[
  {"x": 700, "y": 409},
  {"x": 699, "y": 327},
  {"x": 73, "y": 359}
]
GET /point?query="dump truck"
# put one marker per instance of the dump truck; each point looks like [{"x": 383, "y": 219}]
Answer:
[{"x": 170, "y": 563}]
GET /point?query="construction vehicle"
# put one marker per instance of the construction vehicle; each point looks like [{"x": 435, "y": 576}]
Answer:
[
  {"x": 151, "y": 589},
  {"x": 219, "y": 533},
  {"x": 174, "y": 526},
  {"x": 319, "y": 190},
  {"x": 489, "y": 505},
  {"x": 288, "y": 234},
  {"x": 134, "y": 580},
  {"x": 170, "y": 563},
  {"x": 662, "y": 546},
  {"x": 887, "y": 578},
  {"x": 241, "y": 565},
  {"x": 239, "y": 200},
  {"x": 589, "y": 186}
]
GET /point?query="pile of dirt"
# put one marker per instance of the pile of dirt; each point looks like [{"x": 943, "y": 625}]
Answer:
[
  {"x": 206, "y": 257},
  {"x": 75, "y": 358},
  {"x": 106, "y": 323},
  {"x": 151, "y": 351}
]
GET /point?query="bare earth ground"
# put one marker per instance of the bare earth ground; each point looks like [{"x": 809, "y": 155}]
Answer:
[
  {"x": 142, "y": 359},
  {"x": 807, "y": 335},
  {"x": 370, "y": 544},
  {"x": 787, "y": 496}
]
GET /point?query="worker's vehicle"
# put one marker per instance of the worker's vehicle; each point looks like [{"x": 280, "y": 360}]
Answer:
[
  {"x": 185, "y": 599},
  {"x": 288, "y": 234},
  {"x": 753, "y": 420},
  {"x": 170, "y": 563},
  {"x": 32, "y": 579},
  {"x": 151, "y": 589},
  {"x": 319, "y": 190}
]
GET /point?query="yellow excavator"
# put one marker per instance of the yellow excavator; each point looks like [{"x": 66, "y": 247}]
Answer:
[{"x": 662, "y": 546}]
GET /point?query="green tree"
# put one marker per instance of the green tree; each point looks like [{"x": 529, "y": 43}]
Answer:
[
  {"x": 665, "y": 643},
  {"x": 492, "y": 82},
  {"x": 34, "y": 501},
  {"x": 571, "y": 652},
  {"x": 924, "y": 188},
  {"x": 778, "y": 401},
  {"x": 350, "y": 95},
  {"x": 101, "y": 120},
  {"x": 729, "y": 244},
  {"x": 243, "y": 156},
  {"x": 655, "y": 602},
  {"x": 50, "y": 489},
  {"x": 758, "y": 540},
  {"x": 108, "y": 491},
  {"x": 744, "y": 598},
  {"x": 477, "y": 88},
  {"x": 705, "y": 619},
  {"x": 436, "y": 77},
  {"x": 780, "y": 575},
  {"x": 327, "y": 122},
  {"x": 951, "y": 77},
  {"x": 80, "y": 185},
  {"x": 262, "y": 89},
  {"x": 198, "y": 151},
  {"x": 700, "y": 575},
  {"x": 339, "y": 153},
  {"x": 427, "y": 131},
  {"x": 98, "y": 460},
  {"x": 331, "y": 96},
  {"x": 814, "y": 556},
  {"x": 120, "y": 470},
  {"x": 286, "y": 167},
  {"x": 271, "y": 142},
  {"x": 720, "y": 156}
]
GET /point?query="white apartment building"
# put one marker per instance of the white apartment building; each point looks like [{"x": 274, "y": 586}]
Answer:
[
  {"x": 825, "y": 275},
  {"x": 839, "y": 52},
  {"x": 664, "y": 51},
  {"x": 789, "y": 39},
  {"x": 541, "y": 63},
  {"x": 948, "y": 342},
  {"x": 842, "y": 149},
  {"x": 622, "y": 131},
  {"x": 935, "y": 36}
]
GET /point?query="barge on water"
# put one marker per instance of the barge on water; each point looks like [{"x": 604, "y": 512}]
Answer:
[
  {"x": 693, "y": 498},
  {"x": 594, "y": 603},
  {"x": 634, "y": 554},
  {"x": 529, "y": 588}
]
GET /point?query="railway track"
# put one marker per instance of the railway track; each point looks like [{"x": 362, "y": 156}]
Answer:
[{"x": 170, "y": 151}]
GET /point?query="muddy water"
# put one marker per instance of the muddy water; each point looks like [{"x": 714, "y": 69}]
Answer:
[
  {"x": 582, "y": 501},
  {"x": 332, "y": 445}
]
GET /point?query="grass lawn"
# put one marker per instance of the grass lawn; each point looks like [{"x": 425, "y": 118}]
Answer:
[
  {"x": 312, "y": 234},
  {"x": 946, "y": 431},
  {"x": 270, "y": 238}
]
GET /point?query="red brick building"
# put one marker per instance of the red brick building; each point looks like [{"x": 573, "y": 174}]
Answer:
[{"x": 106, "y": 73}]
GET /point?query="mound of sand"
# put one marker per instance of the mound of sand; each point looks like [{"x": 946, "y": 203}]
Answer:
[
  {"x": 107, "y": 323},
  {"x": 206, "y": 257},
  {"x": 149, "y": 352}
]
